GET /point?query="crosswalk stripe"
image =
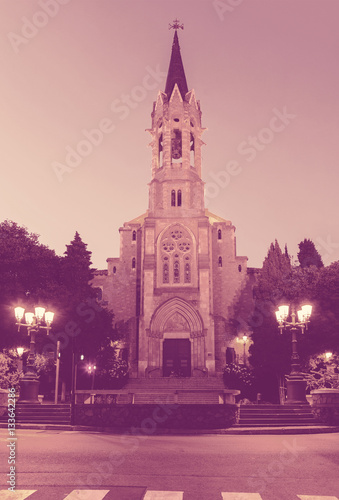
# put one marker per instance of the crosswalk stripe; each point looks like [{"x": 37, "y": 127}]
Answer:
[
  {"x": 164, "y": 495},
  {"x": 16, "y": 494},
  {"x": 315, "y": 497},
  {"x": 87, "y": 495},
  {"x": 241, "y": 496}
]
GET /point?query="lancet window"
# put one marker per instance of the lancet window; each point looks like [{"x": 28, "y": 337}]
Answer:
[{"x": 176, "y": 256}]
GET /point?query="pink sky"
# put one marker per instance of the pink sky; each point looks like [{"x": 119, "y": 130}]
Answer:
[{"x": 244, "y": 63}]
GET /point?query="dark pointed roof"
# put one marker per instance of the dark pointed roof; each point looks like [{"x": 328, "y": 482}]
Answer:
[{"x": 176, "y": 72}]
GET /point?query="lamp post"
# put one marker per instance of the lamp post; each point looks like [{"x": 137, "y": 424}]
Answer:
[
  {"x": 243, "y": 341},
  {"x": 29, "y": 384},
  {"x": 20, "y": 351},
  {"x": 91, "y": 371},
  {"x": 296, "y": 383}
]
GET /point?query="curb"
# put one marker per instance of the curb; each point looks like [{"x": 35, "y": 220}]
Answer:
[{"x": 321, "y": 429}]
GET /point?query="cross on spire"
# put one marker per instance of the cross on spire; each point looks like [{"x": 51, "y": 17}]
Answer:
[
  {"x": 176, "y": 25},
  {"x": 176, "y": 73}
]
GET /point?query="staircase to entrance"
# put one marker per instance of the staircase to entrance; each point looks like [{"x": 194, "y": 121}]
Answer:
[
  {"x": 54, "y": 414},
  {"x": 276, "y": 416}
]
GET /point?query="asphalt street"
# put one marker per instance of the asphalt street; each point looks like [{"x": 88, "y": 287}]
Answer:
[{"x": 52, "y": 464}]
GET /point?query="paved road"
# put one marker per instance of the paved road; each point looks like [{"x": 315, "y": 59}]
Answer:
[{"x": 52, "y": 465}]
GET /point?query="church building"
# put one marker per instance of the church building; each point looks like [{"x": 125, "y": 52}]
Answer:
[{"x": 174, "y": 287}]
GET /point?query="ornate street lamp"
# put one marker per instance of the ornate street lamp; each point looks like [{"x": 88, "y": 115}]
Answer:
[
  {"x": 296, "y": 383},
  {"x": 29, "y": 384}
]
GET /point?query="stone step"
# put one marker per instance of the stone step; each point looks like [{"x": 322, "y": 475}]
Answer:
[
  {"x": 278, "y": 424},
  {"x": 273, "y": 407},
  {"x": 275, "y": 412},
  {"x": 175, "y": 383},
  {"x": 278, "y": 415},
  {"x": 155, "y": 398},
  {"x": 275, "y": 421},
  {"x": 188, "y": 398},
  {"x": 41, "y": 413}
]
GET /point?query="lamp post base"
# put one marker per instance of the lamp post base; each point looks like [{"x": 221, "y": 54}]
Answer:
[
  {"x": 29, "y": 390},
  {"x": 296, "y": 390}
]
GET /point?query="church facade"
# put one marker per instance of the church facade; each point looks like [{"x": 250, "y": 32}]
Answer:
[{"x": 174, "y": 287}]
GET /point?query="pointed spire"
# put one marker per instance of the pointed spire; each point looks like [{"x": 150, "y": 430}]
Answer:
[{"x": 176, "y": 72}]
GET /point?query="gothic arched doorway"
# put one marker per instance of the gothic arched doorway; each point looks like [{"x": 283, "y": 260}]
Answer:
[{"x": 176, "y": 339}]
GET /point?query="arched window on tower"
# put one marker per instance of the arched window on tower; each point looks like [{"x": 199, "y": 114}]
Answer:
[
  {"x": 192, "y": 150},
  {"x": 134, "y": 236},
  {"x": 172, "y": 198},
  {"x": 219, "y": 234},
  {"x": 176, "y": 272},
  {"x": 160, "y": 150},
  {"x": 133, "y": 263},
  {"x": 176, "y": 144},
  {"x": 220, "y": 262},
  {"x": 179, "y": 198}
]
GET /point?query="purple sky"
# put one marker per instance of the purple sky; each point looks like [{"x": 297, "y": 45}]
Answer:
[{"x": 249, "y": 62}]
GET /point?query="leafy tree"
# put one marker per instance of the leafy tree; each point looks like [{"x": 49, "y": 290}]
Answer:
[
  {"x": 269, "y": 352},
  {"x": 112, "y": 372},
  {"x": 82, "y": 325},
  {"x": 29, "y": 275},
  {"x": 279, "y": 283},
  {"x": 76, "y": 271},
  {"x": 308, "y": 255},
  {"x": 276, "y": 267},
  {"x": 322, "y": 372},
  {"x": 32, "y": 274}
]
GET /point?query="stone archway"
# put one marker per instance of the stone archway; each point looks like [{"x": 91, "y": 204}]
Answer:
[{"x": 176, "y": 320}]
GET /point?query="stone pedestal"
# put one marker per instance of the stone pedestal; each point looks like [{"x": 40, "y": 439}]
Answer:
[
  {"x": 296, "y": 390},
  {"x": 29, "y": 390}
]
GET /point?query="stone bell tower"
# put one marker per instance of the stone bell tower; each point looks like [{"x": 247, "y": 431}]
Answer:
[
  {"x": 176, "y": 329},
  {"x": 174, "y": 285}
]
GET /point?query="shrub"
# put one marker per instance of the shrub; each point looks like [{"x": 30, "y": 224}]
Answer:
[{"x": 239, "y": 377}]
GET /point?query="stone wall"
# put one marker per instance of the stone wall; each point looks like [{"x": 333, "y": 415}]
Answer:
[
  {"x": 151, "y": 417},
  {"x": 325, "y": 405}
]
